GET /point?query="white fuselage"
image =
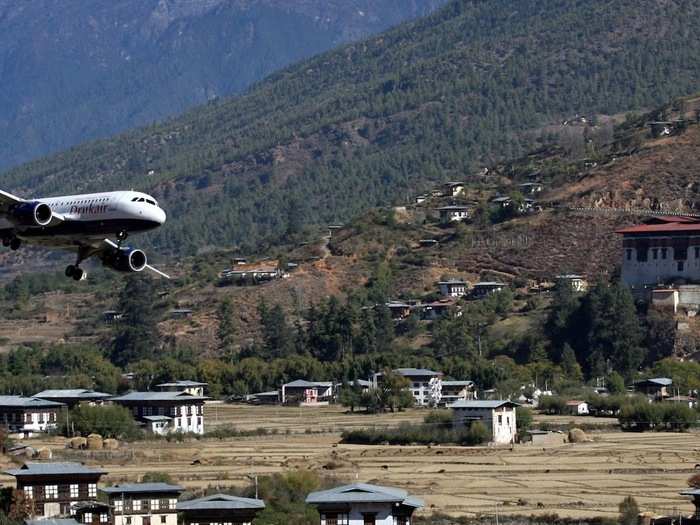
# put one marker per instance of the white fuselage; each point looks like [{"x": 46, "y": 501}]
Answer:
[{"x": 93, "y": 216}]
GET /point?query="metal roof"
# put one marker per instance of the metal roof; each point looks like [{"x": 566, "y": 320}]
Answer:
[
  {"x": 363, "y": 493},
  {"x": 661, "y": 381},
  {"x": 308, "y": 384},
  {"x": 142, "y": 488},
  {"x": 221, "y": 502},
  {"x": 690, "y": 492},
  {"x": 27, "y": 402},
  {"x": 157, "y": 418},
  {"x": 78, "y": 393},
  {"x": 457, "y": 383},
  {"x": 185, "y": 382},
  {"x": 496, "y": 403},
  {"x": 159, "y": 396},
  {"x": 56, "y": 469},
  {"x": 416, "y": 372},
  {"x": 453, "y": 281},
  {"x": 489, "y": 283},
  {"x": 667, "y": 228}
]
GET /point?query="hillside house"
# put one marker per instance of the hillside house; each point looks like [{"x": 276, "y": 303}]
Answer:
[
  {"x": 665, "y": 250},
  {"x": 577, "y": 407},
  {"x": 526, "y": 206},
  {"x": 420, "y": 199},
  {"x": 219, "y": 509},
  {"x": 434, "y": 310},
  {"x": 27, "y": 415},
  {"x": 453, "y": 391},
  {"x": 420, "y": 379},
  {"x": 144, "y": 503},
  {"x": 498, "y": 416},
  {"x": 251, "y": 274},
  {"x": 166, "y": 412},
  {"x": 363, "y": 504},
  {"x": 307, "y": 393},
  {"x": 196, "y": 388},
  {"x": 428, "y": 243},
  {"x": 112, "y": 316},
  {"x": 180, "y": 313},
  {"x": 399, "y": 310},
  {"x": 453, "y": 189},
  {"x": 577, "y": 283},
  {"x": 74, "y": 396},
  {"x": 55, "y": 487},
  {"x": 486, "y": 288},
  {"x": 530, "y": 188},
  {"x": 453, "y": 288},
  {"x": 454, "y": 213},
  {"x": 656, "y": 387}
]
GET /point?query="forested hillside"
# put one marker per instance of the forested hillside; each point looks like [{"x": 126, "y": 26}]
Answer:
[
  {"x": 76, "y": 70},
  {"x": 372, "y": 122}
]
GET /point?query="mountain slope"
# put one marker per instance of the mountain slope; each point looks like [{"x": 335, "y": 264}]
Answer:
[
  {"x": 372, "y": 122},
  {"x": 77, "y": 70}
]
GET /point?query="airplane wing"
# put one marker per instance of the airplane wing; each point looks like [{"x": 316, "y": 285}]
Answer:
[
  {"x": 114, "y": 245},
  {"x": 7, "y": 201}
]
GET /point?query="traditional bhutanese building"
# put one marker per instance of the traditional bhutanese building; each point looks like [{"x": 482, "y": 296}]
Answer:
[{"x": 664, "y": 250}]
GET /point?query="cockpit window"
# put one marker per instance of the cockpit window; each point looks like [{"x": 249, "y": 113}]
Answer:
[
  {"x": 150, "y": 202},
  {"x": 134, "y": 199}
]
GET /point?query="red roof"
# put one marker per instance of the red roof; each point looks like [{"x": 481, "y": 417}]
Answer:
[{"x": 675, "y": 227}]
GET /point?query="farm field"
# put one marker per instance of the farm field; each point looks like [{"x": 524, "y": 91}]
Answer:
[{"x": 577, "y": 480}]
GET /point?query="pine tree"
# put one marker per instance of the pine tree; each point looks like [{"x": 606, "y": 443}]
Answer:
[{"x": 226, "y": 333}]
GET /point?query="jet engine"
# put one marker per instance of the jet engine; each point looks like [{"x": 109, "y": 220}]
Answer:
[
  {"x": 125, "y": 260},
  {"x": 32, "y": 214}
]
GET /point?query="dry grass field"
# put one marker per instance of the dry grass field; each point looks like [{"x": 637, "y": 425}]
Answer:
[{"x": 577, "y": 480}]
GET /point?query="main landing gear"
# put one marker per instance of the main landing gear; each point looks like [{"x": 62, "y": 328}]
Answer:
[
  {"x": 13, "y": 242},
  {"x": 74, "y": 270},
  {"x": 121, "y": 237}
]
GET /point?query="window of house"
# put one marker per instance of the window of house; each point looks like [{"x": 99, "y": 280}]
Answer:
[
  {"x": 401, "y": 520},
  {"x": 628, "y": 254},
  {"x": 697, "y": 252},
  {"x": 154, "y": 504},
  {"x": 642, "y": 254},
  {"x": 369, "y": 519},
  {"x": 104, "y": 518},
  {"x": 680, "y": 253},
  {"x": 654, "y": 253},
  {"x": 128, "y": 520},
  {"x": 119, "y": 505},
  {"x": 500, "y": 419},
  {"x": 333, "y": 518},
  {"x": 136, "y": 504},
  {"x": 664, "y": 253},
  {"x": 173, "y": 503},
  {"x": 51, "y": 491},
  {"x": 92, "y": 490},
  {"x": 163, "y": 518},
  {"x": 74, "y": 491},
  {"x": 29, "y": 492},
  {"x": 87, "y": 517},
  {"x": 681, "y": 266}
]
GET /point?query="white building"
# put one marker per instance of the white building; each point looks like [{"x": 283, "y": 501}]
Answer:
[
  {"x": 577, "y": 407},
  {"x": 498, "y": 417},
  {"x": 453, "y": 189},
  {"x": 664, "y": 250},
  {"x": 453, "y": 391},
  {"x": 420, "y": 382},
  {"x": 484, "y": 288},
  {"x": 144, "y": 503},
  {"x": 364, "y": 504},
  {"x": 166, "y": 412},
  {"x": 454, "y": 213},
  {"x": 453, "y": 288},
  {"x": 577, "y": 283}
]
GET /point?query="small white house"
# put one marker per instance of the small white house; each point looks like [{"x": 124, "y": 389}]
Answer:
[
  {"x": 307, "y": 393},
  {"x": 453, "y": 288},
  {"x": 577, "y": 283},
  {"x": 364, "y": 504},
  {"x": 26, "y": 415},
  {"x": 454, "y": 189},
  {"x": 577, "y": 407},
  {"x": 484, "y": 288},
  {"x": 196, "y": 388},
  {"x": 498, "y": 417},
  {"x": 454, "y": 213},
  {"x": 419, "y": 386}
]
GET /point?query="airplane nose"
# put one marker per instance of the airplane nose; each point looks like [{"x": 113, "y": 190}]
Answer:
[{"x": 160, "y": 216}]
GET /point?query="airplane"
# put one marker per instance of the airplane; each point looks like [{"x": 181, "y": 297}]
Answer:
[{"x": 83, "y": 224}]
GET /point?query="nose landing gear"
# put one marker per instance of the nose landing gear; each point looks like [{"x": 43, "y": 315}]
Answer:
[
  {"x": 13, "y": 242},
  {"x": 77, "y": 273}
]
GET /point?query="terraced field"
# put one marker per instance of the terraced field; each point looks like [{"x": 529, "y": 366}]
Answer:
[{"x": 587, "y": 479}]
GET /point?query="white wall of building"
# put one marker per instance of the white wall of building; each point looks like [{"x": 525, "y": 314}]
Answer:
[
  {"x": 355, "y": 516},
  {"x": 658, "y": 268},
  {"x": 500, "y": 422}
]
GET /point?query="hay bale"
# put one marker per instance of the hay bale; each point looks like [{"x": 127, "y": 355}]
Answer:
[
  {"x": 111, "y": 444},
  {"x": 44, "y": 453},
  {"x": 78, "y": 443},
  {"x": 30, "y": 452},
  {"x": 576, "y": 435},
  {"x": 95, "y": 442}
]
